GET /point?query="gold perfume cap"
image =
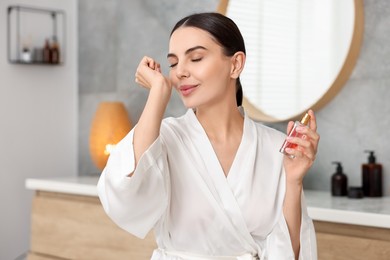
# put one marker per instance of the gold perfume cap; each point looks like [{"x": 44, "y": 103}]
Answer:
[{"x": 305, "y": 119}]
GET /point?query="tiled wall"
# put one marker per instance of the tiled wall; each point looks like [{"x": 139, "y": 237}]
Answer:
[{"x": 114, "y": 35}]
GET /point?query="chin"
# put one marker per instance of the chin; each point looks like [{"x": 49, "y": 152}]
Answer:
[{"x": 188, "y": 104}]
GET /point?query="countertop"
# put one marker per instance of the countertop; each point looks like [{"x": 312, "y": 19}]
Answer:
[{"x": 321, "y": 206}]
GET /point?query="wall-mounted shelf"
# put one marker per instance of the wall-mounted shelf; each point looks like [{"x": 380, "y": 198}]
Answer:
[{"x": 35, "y": 35}]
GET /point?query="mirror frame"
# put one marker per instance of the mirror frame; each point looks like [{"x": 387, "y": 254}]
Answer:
[{"x": 340, "y": 80}]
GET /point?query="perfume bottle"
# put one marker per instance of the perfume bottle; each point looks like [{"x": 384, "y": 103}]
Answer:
[{"x": 293, "y": 133}]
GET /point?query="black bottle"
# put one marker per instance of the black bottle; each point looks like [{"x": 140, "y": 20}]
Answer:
[
  {"x": 339, "y": 181},
  {"x": 372, "y": 177}
]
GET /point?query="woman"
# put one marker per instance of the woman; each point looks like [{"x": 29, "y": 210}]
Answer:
[{"x": 211, "y": 183}]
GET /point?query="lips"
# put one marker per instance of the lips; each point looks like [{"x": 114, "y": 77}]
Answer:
[{"x": 186, "y": 90}]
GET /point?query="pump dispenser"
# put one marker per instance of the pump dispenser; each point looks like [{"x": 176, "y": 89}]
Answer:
[
  {"x": 339, "y": 181},
  {"x": 372, "y": 176}
]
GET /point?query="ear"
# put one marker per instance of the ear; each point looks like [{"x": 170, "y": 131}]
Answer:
[{"x": 238, "y": 62}]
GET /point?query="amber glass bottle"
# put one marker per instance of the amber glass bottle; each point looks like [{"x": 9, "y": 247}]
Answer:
[
  {"x": 54, "y": 51},
  {"x": 339, "y": 181},
  {"x": 372, "y": 177},
  {"x": 46, "y": 52}
]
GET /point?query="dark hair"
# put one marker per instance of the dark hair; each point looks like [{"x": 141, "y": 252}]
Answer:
[{"x": 224, "y": 31}]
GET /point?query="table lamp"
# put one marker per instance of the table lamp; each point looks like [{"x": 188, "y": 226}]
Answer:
[{"x": 109, "y": 125}]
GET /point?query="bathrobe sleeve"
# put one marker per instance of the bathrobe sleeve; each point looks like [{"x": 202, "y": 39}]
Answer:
[
  {"x": 135, "y": 203},
  {"x": 279, "y": 242}
]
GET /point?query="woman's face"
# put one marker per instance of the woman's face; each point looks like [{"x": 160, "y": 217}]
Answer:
[{"x": 199, "y": 71}]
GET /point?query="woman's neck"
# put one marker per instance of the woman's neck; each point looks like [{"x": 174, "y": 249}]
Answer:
[{"x": 221, "y": 121}]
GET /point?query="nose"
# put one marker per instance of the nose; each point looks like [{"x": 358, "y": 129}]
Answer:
[{"x": 182, "y": 71}]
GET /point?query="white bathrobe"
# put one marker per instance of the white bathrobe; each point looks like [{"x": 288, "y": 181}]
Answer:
[{"x": 179, "y": 189}]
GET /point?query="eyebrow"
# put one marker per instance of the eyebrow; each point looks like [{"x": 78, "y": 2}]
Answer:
[{"x": 188, "y": 51}]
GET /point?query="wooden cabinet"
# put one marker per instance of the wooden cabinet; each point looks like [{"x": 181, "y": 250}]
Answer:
[
  {"x": 66, "y": 226},
  {"x": 76, "y": 227},
  {"x": 346, "y": 242}
]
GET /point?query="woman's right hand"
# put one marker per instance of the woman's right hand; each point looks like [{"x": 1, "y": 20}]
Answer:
[{"x": 149, "y": 75}]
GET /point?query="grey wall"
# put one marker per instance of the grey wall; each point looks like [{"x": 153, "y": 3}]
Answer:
[
  {"x": 38, "y": 126},
  {"x": 358, "y": 118},
  {"x": 114, "y": 35}
]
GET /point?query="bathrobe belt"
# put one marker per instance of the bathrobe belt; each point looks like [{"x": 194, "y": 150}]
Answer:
[{"x": 176, "y": 255}]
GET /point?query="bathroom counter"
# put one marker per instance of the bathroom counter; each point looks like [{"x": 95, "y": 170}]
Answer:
[
  {"x": 85, "y": 186},
  {"x": 374, "y": 212}
]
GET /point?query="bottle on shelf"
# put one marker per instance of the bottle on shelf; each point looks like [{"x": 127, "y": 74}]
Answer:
[
  {"x": 46, "y": 52},
  {"x": 37, "y": 55},
  {"x": 55, "y": 51},
  {"x": 26, "y": 55}
]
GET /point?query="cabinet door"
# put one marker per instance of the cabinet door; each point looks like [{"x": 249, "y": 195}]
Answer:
[
  {"x": 346, "y": 242},
  {"x": 76, "y": 227},
  {"x": 33, "y": 256}
]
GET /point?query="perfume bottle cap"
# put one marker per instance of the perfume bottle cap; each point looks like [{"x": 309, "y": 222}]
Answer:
[{"x": 305, "y": 119}]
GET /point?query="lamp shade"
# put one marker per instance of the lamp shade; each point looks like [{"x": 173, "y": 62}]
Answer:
[{"x": 109, "y": 125}]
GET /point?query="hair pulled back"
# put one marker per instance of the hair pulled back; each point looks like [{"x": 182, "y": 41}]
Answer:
[{"x": 224, "y": 31}]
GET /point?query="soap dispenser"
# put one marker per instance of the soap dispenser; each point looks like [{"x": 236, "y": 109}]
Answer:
[
  {"x": 372, "y": 176},
  {"x": 339, "y": 181}
]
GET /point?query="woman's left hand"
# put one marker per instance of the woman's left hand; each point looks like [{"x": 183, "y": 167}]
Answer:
[{"x": 305, "y": 152}]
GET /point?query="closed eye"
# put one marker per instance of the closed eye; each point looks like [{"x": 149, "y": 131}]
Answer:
[
  {"x": 172, "y": 65},
  {"x": 196, "y": 60}
]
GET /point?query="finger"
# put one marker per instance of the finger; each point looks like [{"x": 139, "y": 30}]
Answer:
[
  {"x": 144, "y": 71},
  {"x": 145, "y": 60},
  {"x": 311, "y": 136},
  {"x": 303, "y": 144},
  {"x": 307, "y": 148},
  {"x": 313, "y": 120},
  {"x": 290, "y": 126},
  {"x": 307, "y": 141},
  {"x": 293, "y": 153},
  {"x": 148, "y": 62},
  {"x": 300, "y": 154},
  {"x": 151, "y": 64},
  {"x": 158, "y": 67},
  {"x": 309, "y": 151},
  {"x": 300, "y": 141},
  {"x": 303, "y": 130}
]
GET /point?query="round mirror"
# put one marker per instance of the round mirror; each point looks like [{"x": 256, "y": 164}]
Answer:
[{"x": 299, "y": 53}]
